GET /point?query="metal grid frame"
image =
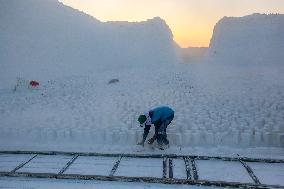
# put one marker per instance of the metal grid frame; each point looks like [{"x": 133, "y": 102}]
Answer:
[{"x": 191, "y": 170}]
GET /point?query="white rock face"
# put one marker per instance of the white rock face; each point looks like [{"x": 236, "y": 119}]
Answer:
[
  {"x": 44, "y": 38},
  {"x": 254, "y": 39}
]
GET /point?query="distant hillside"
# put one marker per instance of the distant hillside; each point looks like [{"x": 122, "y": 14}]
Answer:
[
  {"x": 193, "y": 54},
  {"x": 253, "y": 39},
  {"x": 44, "y": 38}
]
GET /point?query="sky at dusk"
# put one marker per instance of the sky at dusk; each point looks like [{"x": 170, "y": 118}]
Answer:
[{"x": 191, "y": 21}]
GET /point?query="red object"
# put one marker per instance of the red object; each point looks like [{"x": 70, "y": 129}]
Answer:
[{"x": 34, "y": 83}]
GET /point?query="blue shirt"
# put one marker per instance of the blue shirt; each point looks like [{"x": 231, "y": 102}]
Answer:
[{"x": 162, "y": 113}]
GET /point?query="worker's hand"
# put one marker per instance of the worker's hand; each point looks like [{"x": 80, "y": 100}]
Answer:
[
  {"x": 140, "y": 143},
  {"x": 151, "y": 140}
]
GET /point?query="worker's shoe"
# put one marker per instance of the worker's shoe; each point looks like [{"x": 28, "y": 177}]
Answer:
[{"x": 151, "y": 140}]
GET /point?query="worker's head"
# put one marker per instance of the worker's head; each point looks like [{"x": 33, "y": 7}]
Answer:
[{"x": 141, "y": 119}]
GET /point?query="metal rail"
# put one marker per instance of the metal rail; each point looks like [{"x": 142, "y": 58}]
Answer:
[
  {"x": 187, "y": 168},
  {"x": 68, "y": 164},
  {"x": 250, "y": 172},
  {"x": 165, "y": 167},
  {"x": 195, "y": 157},
  {"x": 194, "y": 169},
  {"x": 139, "y": 179},
  {"x": 23, "y": 164},
  {"x": 113, "y": 170},
  {"x": 171, "y": 172}
]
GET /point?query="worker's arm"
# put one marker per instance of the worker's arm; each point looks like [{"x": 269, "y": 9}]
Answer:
[{"x": 145, "y": 134}]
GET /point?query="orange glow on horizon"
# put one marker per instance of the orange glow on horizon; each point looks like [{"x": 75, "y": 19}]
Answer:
[{"x": 191, "y": 21}]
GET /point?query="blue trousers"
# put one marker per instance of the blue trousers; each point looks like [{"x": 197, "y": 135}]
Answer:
[{"x": 162, "y": 131}]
